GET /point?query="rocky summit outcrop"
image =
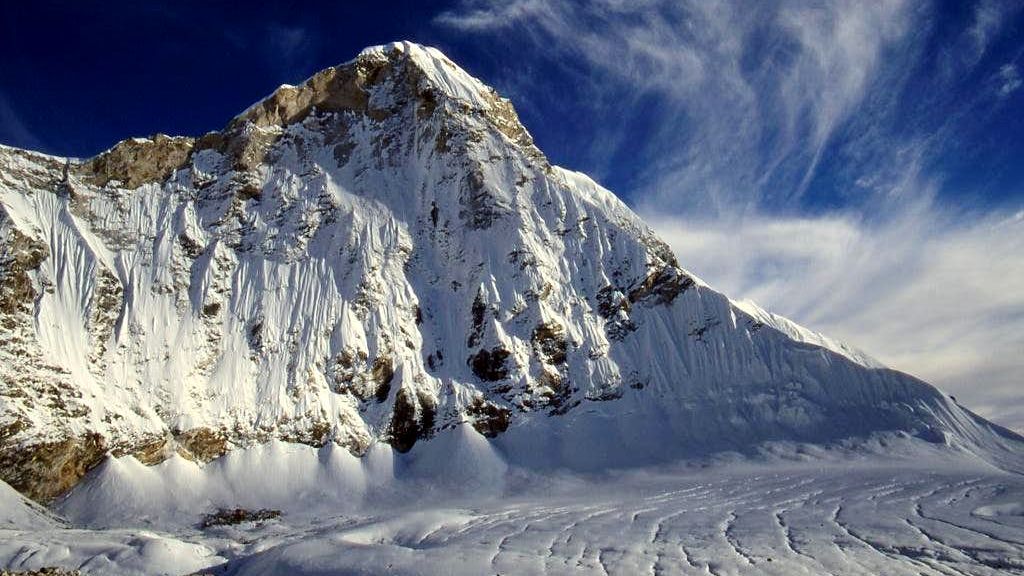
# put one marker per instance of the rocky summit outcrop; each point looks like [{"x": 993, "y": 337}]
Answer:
[{"x": 377, "y": 255}]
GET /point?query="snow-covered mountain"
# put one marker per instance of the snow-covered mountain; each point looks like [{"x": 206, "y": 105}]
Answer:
[{"x": 374, "y": 257}]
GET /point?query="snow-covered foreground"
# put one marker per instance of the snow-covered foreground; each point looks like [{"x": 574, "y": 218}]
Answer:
[{"x": 939, "y": 515}]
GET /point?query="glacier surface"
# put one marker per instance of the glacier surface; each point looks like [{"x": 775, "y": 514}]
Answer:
[{"x": 906, "y": 509}]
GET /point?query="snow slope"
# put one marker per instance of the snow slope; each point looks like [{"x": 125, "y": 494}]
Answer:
[
  {"x": 912, "y": 510},
  {"x": 373, "y": 258},
  {"x": 16, "y": 511},
  {"x": 777, "y": 520},
  {"x": 802, "y": 334}
]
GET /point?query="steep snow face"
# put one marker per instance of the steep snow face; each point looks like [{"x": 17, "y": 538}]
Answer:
[
  {"x": 377, "y": 255},
  {"x": 802, "y": 334}
]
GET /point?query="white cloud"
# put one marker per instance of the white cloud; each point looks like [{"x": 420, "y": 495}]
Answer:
[
  {"x": 987, "y": 23},
  {"x": 749, "y": 93},
  {"x": 934, "y": 293},
  {"x": 1009, "y": 80},
  {"x": 488, "y": 16},
  {"x": 988, "y": 19}
]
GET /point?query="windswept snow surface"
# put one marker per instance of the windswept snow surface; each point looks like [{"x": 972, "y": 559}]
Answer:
[
  {"x": 804, "y": 519},
  {"x": 792, "y": 510}
]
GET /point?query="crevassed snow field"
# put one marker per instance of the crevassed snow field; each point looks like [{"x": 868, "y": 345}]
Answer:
[
  {"x": 802, "y": 520},
  {"x": 939, "y": 513}
]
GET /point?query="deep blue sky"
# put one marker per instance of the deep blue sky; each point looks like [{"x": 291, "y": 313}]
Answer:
[
  {"x": 82, "y": 75},
  {"x": 79, "y": 76},
  {"x": 855, "y": 165}
]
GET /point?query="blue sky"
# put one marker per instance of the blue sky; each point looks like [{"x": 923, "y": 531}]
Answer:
[{"x": 857, "y": 166}]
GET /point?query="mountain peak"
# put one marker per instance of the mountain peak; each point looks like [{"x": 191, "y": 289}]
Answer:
[
  {"x": 375, "y": 257},
  {"x": 383, "y": 83},
  {"x": 381, "y": 78}
]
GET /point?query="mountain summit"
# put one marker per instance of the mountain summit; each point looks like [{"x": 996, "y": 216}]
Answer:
[{"x": 373, "y": 258}]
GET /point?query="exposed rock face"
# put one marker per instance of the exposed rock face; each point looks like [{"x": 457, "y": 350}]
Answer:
[
  {"x": 488, "y": 419},
  {"x": 490, "y": 365},
  {"x": 233, "y": 516},
  {"x": 413, "y": 418},
  {"x": 343, "y": 88},
  {"x": 19, "y": 256},
  {"x": 135, "y": 162},
  {"x": 373, "y": 256},
  {"x": 550, "y": 343},
  {"x": 46, "y": 470},
  {"x": 202, "y": 444}
]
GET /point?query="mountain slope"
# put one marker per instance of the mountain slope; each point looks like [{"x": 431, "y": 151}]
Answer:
[{"x": 378, "y": 255}]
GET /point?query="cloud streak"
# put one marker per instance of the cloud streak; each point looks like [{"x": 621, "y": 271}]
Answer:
[
  {"x": 1009, "y": 80},
  {"x": 747, "y": 96}
]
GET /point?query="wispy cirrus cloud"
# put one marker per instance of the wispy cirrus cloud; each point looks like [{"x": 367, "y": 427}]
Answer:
[
  {"x": 792, "y": 153},
  {"x": 1009, "y": 79},
  {"x": 486, "y": 16},
  {"x": 288, "y": 50},
  {"x": 746, "y": 96},
  {"x": 935, "y": 293},
  {"x": 988, "y": 18}
]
